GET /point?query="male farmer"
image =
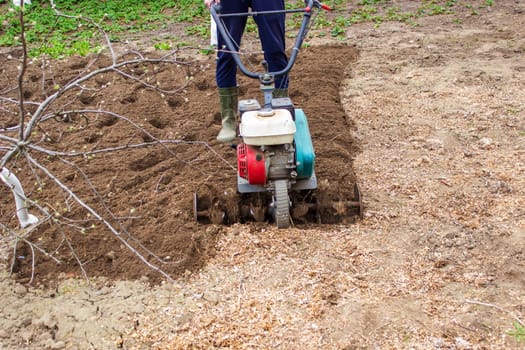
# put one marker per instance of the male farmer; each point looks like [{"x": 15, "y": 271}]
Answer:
[{"x": 271, "y": 32}]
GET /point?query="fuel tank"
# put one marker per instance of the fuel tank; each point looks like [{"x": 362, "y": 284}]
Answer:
[{"x": 267, "y": 127}]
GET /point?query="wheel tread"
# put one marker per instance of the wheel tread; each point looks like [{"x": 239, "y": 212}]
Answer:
[{"x": 282, "y": 204}]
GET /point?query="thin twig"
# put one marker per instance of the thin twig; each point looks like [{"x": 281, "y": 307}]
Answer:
[
  {"x": 95, "y": 214},
  {"x": 13, "y": 260},
  {"x": 89, "y": 20},
  {"x": 109, "y": 212},
  {"x": 129, "y": 146},
  {"x": 140, "y": 81},
  {"x": 72, "y": 250},
  {"x": 22, "y": 72},
  {"x": 25, "y": 240},
  {"x": 33, "y": 258},
  {"x": 498, "y": 308},
  {"x": 116, "y": 115},
  {"x": 33, "y": 246}
]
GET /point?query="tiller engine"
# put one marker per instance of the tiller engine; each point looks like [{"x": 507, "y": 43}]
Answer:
[{"x": 276, "y": 154}]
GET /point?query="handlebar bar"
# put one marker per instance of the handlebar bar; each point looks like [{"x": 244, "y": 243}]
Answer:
[{"x": 215, "y": 10}]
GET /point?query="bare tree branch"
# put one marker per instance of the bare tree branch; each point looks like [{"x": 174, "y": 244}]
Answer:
[
  {"x": 22, "y": 72},
  {"x": 95, "y": 214},
  {"x": 18, "y": 141},
  {"x": 149, "y": 85},
  {"x": 21, "y": 237}
]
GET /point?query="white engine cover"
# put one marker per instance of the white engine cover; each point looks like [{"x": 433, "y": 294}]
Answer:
[{"x": 267, "y": 127}]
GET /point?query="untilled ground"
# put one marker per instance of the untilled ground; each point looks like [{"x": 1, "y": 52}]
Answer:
[{"x": 433, "y": 130}]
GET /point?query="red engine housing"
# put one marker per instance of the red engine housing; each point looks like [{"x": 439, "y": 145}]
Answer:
[{"x": 251, "y": 164}]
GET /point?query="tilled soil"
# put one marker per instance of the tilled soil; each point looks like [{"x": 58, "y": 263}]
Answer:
[
  {"x": 169, "y": 154},
  {"x": 429, "y": 120}
]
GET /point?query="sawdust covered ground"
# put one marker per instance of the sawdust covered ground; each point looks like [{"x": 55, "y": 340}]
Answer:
[{"x": 433, "y": 127}]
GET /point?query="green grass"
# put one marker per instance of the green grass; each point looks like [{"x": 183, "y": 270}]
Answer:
[
  {"x": 57, "y": 37},
  {"x": 518, "y": 332}
]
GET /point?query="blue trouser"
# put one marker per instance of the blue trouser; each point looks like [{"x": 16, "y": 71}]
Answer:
[{"x": 271, "y": 33}]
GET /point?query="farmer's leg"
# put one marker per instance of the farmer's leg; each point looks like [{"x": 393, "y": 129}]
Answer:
[
  {"x": 227, "y": 68},
  {"x": 271, "y": 31}
]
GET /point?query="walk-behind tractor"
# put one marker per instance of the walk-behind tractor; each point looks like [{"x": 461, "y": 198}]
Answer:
[{"x": 275, "y": 156}]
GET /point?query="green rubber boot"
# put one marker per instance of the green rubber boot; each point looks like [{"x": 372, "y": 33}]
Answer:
[
  {"x": 280, "y": 93},
  {"x": 228, "y": 98}
]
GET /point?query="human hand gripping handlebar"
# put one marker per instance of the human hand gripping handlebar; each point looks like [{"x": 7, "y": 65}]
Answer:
[
  {"x": 317, "y": 4},
  {"x": 215, "y": 9}
]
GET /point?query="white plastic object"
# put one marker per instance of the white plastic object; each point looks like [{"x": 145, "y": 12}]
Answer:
[
  {"x": 24, "y": 217},
  {"x": 19, "y": 2},
  {"x": 267, "y": 127},
  {"x": 213, "y": 32}
]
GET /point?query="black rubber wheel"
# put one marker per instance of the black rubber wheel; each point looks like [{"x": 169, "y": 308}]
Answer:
[{"x": 282, "y": 204}]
